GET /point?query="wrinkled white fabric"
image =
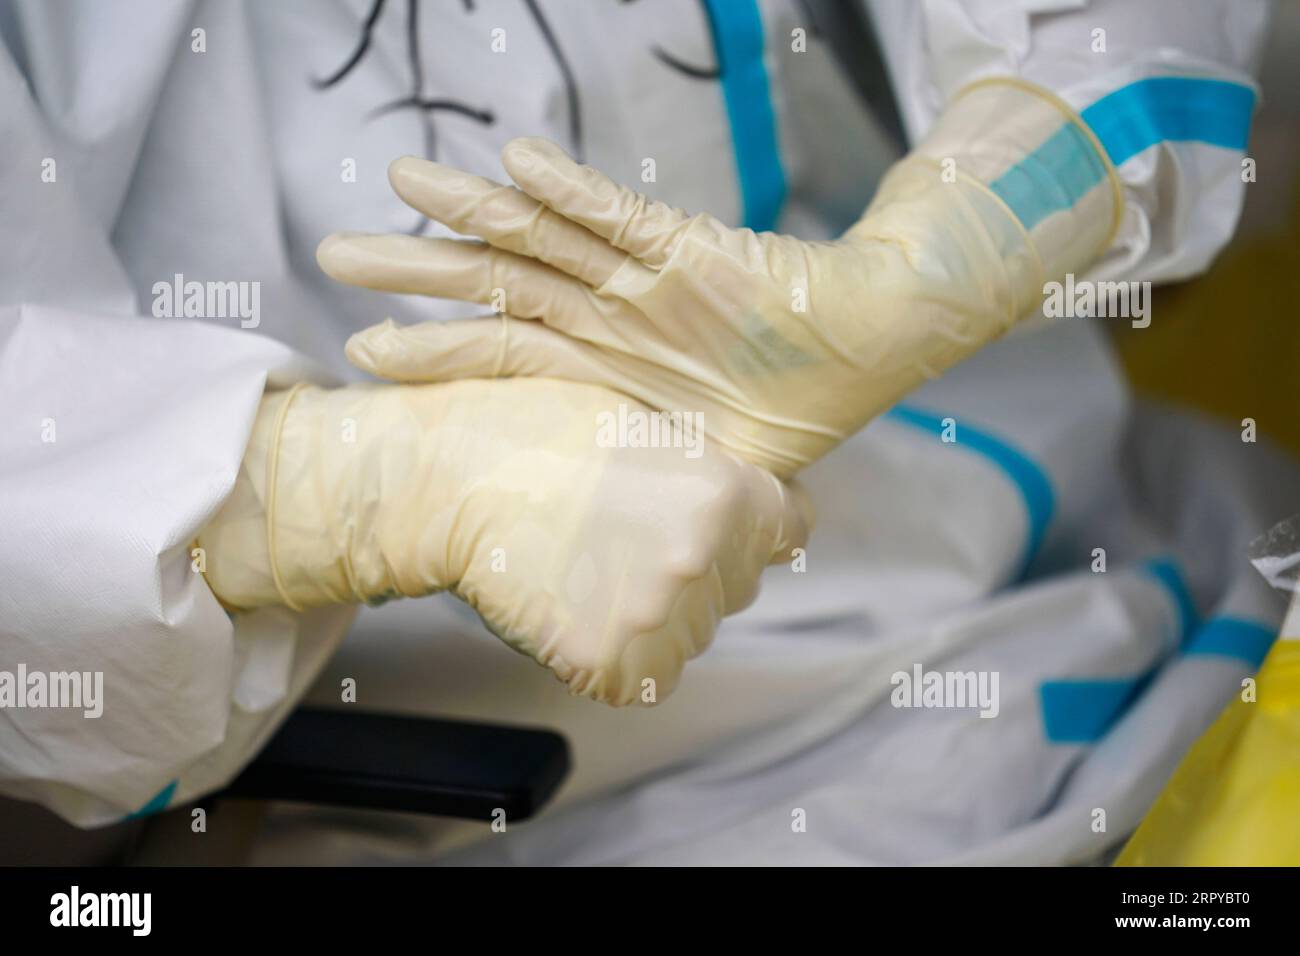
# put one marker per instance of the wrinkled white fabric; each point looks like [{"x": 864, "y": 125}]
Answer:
[{"x": 97, "y": 564}]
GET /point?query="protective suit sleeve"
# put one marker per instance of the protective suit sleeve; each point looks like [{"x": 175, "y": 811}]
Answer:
[
  {"x": 120, "y": 438},
  {"x": 1164, "y": 86}
]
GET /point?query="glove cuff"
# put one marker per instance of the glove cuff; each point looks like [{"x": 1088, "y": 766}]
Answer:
[
  {"x": 1042, "y": 162},
  {"x": 319, "y": 515},
  {"x": 238, "y": 564},
  {"x": 272, "y": 495}
]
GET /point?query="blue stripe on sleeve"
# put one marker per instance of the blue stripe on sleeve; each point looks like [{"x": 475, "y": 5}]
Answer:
[
  {"x": 1029, "y": 479},
  {"x": 157, "y": 803},
  {"x": 1168, "y": 574},
  {"x": 738, "y": 42},
  {"x": 1051, "y": 178},
  {"x": 1246, "y": 641},
  {"x": 1158, "y": 109},
  {"x": 1082, "y": 711},
  {"x": 1171, "y": 108}
]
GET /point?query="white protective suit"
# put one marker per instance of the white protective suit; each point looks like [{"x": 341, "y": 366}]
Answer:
[{"x": 226, "y": 155}]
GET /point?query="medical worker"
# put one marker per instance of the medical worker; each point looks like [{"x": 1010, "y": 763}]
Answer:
[{"x": 983, "y": 526}]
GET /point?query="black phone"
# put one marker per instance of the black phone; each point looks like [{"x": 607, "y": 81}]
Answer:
[{"x": 414, "y": 764}]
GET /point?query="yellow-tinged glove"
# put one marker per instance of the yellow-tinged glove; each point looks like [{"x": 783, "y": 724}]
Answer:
[
  {"x": 610, "y": 565},
  {"x": 786, "y": 346}
]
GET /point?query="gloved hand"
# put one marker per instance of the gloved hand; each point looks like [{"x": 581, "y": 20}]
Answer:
[
  {"x": 786, "y": 346},
  {"x": 610, "y": 565}
]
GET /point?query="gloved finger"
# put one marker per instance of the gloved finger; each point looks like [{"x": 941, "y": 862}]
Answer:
[
  {"x": 494, "y": 347},
  {"x": 662, "y": 655},
  {"x": 773, "y": 521},
  {"x": 640, "y": 226},
  {"x": 797, "y": 518},
  {"x": 504, "y": 217},
  {"x": 456, "y": 269}
]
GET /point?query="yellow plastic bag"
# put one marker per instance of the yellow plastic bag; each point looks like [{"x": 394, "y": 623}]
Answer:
[{"x": 1235, "y": 799}]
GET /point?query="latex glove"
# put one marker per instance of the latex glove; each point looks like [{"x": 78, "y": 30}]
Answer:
[
  {"x": 786, "y": 346},
  {"x": 608, "y": 565}
]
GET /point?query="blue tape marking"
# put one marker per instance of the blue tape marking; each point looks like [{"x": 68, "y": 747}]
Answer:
[
  {"x": 158, "y": 803},
  {"x": 1053, "y": 177},
  {"x": 1165, "y": 571},
  {"x": 1082, "y": 711},
  {"x": 1030, "y": 480},
  {"x": 1247, "y": 641},
  {"x": 1158, "y": 109},
  {"x": 1171, "y": 108},
  {"x": 737, "y": 31}
]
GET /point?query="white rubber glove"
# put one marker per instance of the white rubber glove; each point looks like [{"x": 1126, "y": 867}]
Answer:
[
  {"x": 611, "y": 566},
  {"x": 786, "y": 346}
]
